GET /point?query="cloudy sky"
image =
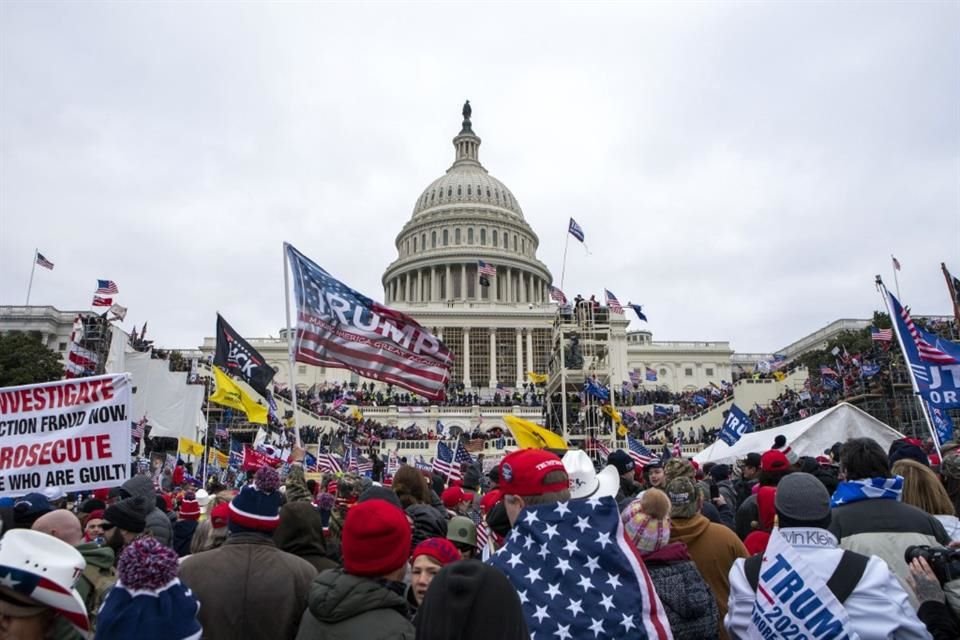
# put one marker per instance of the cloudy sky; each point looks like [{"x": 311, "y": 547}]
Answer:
[{"x": 743, "y": 170}]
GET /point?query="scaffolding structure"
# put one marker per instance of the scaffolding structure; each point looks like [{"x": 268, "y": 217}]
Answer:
[
  {"x": 95, "y": 339},
  {"x": 580, "y": 352}
]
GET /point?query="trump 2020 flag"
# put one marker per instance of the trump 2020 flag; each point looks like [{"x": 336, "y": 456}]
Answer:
[
  {"x": 735, "y": 425},
  {"x": 340, "y": 328},
  {"x": 808, "y": 606},
  {"x": 578, "y": 576}
]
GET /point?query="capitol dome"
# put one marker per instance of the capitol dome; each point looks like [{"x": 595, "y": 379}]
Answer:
[{"x": 462, "y": 219}]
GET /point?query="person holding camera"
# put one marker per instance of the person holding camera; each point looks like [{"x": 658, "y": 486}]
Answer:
[
  {"x": 927, "y": 586},
  {"x": 861, "y": 587}
]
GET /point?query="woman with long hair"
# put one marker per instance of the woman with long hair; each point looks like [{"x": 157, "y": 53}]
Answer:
[{"x": 924, "y": 490}]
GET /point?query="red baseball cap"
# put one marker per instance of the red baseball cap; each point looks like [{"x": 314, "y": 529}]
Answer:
[
  {"x": 488, "y": 501},
  {"x": 523, "y": 473},
  {"x": 774, "y": 460},
  {"x": 453, "y": 496}
]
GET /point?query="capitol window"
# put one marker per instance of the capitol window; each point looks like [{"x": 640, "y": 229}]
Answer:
[
  {"x": 523, "y": 245},
  {"x": 449, "y": 192},
  {"x": 446, "y": 237},
  {"x": 423, "y": 241},
  {"x": 414, "y": 244},
  {"x": 456, "y": 236},
  {"x": 433, "y": 239},
  {"x": 470, "y": 235},
  {"x": 483, "y": 237},
  {"x": 469, "y": 190},
  {"x": 709, "y": 371},
  {"x": 688, "y": 372},
  {"x": 495, "y": 239},
  {"x": 459, "y": 191},
  {"x": 514, "y": 242}
]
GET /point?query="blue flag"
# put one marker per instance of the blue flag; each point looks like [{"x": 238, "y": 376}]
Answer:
[
  {"x": 935, "y": 362},
  {"x": 700, "y": 400},
  {"x": 868, "y": 370},
  {"x": 942, "y": 423},
  {"x": 594, "y": 389},
  {"x": 575, "y": 230},
  {"x": 578, "y": 576},
  {"x": 638, "y": 309},
  {"x": 735, "y": 425},
  {"x": 661, "y": 410},
  {"x": 439, "y": 428}
]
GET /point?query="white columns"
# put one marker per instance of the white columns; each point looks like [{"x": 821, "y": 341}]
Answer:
[
  {"x": 519, "y": 356},
  {"x": 447, "y": 288},
  {"x": 530, "y": 351},
  {"x": 434, "y": 284},
  {"x": 406, "y": 287},
  {"x": 463, "y": 281},
  {"x": 493, "y": 358},
  {"x": 506, "y": 290},
  {"x": 466, "y": 358},
  {"x": 523, "y": 287}
]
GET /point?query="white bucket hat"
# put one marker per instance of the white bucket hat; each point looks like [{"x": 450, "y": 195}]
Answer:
[
  {"x": 203, "y": 498},
  {"x": 585, "y": 482},
  {"x": 41, "y": 567}
]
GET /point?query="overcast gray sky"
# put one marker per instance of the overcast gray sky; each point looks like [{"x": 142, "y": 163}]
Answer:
[{"x": 742, "y": 170}]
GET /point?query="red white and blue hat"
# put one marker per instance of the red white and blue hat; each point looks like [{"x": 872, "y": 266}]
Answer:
[
  {"x": 257, "y": 506},
  {"x": 45, "y": 569}
]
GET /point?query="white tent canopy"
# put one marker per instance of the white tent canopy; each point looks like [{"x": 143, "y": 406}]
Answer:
[{"x": 808, "y": 437}]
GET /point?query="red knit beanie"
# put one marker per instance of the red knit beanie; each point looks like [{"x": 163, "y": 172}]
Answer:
[
  {"x": 440, "y": 549},
  {"x": 376, "y": 539}
]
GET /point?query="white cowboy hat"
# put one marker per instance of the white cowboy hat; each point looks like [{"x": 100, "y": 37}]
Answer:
[
  {"x": 585, "y": 482},
  {"x": 45, "y": 569}
]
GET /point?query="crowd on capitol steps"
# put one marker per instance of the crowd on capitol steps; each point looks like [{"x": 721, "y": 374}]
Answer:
[{"x": 855, "y": 543}]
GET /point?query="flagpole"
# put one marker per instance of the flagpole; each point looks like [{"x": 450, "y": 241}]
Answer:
[
  {"x": 563, "y": 267},
  {"x": 206, "y": 440},
  {"x": 453, "y": 461},
  {"x": 33, "y": 268},
  {"x": 952, "y": 291},
  {"x": 924, "y": 409},
  {"x": 293, "y": 380},
  {"x": 896, "y": 281}
]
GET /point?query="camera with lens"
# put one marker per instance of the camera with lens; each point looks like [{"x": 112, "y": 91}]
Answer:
[{"x": 944, "y": 562}]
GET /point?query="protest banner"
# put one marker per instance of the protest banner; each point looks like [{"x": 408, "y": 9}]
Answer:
[{"x": 73, "y": 434}]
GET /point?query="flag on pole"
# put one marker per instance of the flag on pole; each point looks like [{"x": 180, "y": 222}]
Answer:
[
  {"x": 651, "y": 374},
  {"x": 640, "y": 454},
  {"x": 881, "y": 335},
  {"x": 106, "y": 287},
  {"x": 638, "y": 309},
  {"x": 575, "y": 230},
  {"x": 99, "y": 301},
  {"x": 613, "y": 303},
  {"x": 445, "y": 463},
  {"x": 230, "y": 395},
  {"x": 329, "y": 463},
  {"x": 896, "y": 263},
  {"x": 530, "y": 435},
  {"x": 43, "y": 262},
  {"x": 662, "y": 410},
  {"x": 236, "y": 355},
  {"x": 119, "y": 312},
  {"x": 953, "y": 287},
  {"x": 735, "y": 425},
  {"x": 592, "y": 387},
  {"x": 486, "y": 269},
  {"x": 341, "y": 328},
  {"x": 557, "y": 296}
]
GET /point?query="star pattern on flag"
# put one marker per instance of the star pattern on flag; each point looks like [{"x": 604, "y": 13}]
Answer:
[{"x": 574, "y": 580}]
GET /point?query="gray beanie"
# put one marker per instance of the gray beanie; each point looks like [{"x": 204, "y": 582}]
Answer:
[{"x": 800, "y": 496}]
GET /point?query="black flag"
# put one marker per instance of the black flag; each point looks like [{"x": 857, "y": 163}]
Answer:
[{"x": 235, "y": 355}]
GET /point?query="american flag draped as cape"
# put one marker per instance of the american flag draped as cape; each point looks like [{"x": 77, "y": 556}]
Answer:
[{"x": 577, "y": 574}]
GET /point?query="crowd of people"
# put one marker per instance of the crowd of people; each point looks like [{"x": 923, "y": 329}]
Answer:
[{"x": 531, "y": 547}]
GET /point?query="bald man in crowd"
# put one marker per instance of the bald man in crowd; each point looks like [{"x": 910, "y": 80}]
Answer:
[{"x": 99, "y": 575}]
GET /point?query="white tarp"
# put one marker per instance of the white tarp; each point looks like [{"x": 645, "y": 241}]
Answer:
[
  {"x": 808, "y": 437},
  {"x": 173, "y": 408}
]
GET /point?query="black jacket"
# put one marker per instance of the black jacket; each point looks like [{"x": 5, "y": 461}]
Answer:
[{"x": 346, "y": 607}]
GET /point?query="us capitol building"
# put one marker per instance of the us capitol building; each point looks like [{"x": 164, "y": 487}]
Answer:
[{"x": 501, "y": 332}]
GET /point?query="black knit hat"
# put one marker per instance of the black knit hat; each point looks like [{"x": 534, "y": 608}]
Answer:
[
  {"x": 471, "y": 600},
  {"x": 128, "y": 514}
]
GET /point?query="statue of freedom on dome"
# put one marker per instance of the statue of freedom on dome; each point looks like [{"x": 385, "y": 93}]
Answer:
[{"x": 467, "y": 111}]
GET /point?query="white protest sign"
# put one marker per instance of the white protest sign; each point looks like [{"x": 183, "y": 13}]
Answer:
[
  {"x": 73, "y": 434},
  {"x": 794, "y": 602}
]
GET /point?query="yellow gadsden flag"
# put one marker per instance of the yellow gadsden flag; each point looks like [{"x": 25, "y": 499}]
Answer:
[
  {"x": 217, "y": 458},
  {"x": 190, "y": 447},
  {"x": 615, "y": 418},
  {"x": 230, "y": 395},
  {"x": 537, "y": 378},
  {"x": 533, "y": 436}
]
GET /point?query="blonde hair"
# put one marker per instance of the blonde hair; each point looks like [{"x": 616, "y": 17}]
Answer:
[
  {"x": 923, "y": 489},
  {"x": 655, "y": 504}
]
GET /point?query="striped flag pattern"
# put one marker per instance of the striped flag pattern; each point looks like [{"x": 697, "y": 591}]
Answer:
[
  {"x": 106, "y": 287},
  {"x": 43, "y": 262},
  {"x": 928, "y": 352},
  {"x": 557, "y": 296},
  {"x": 445, "y": 464},
  {"x": 328, "y": 463},
  {"x": 640, "y": 454},
  {"x": 486, "y": 269},
  {"x": 881, "y": 335},
  {"x": 613, "y": 303}
]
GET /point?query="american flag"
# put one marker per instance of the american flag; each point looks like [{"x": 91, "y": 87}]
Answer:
[
  {"x": 612, "y": 302},
  {"x": 577, "y": 574},
  {"x": 43, "y": 262},
  {"x": 881, "y": 335},
  {"x": 422, "y": 465},
  {"x": 236, "y": 453},
  {"x": 393, "y": 463},
  {"x": 640, "y": 454},
  {"x": 107, "y": 287},
  {"x": 557, "y": 296},
  {"x": 102, "y": 302},
  {"x": 486, "y": 269},
  {"x": 677, "y": 447},
  {"x": 651, "y": 374},
  {"x": 827, "y": 371},
  {"x": 329, "y": 463},
  {"x": 634, "y": 376},
  {"x": 483, "y": 534},
  {"x": 444, "y": 462},
  {"x": 927, "y": 351},
  {"x": 575, "y": 230},
  {"x": 600, "y": 446},
  {"x": 363, "y": 465},
  {"x": 896, "y": 263},
  {"x": 338, "y": 327},
  {"x": 138, "y": 428}
]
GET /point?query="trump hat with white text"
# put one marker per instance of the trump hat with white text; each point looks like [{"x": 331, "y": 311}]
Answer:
[{"x": 45, "y": 570}]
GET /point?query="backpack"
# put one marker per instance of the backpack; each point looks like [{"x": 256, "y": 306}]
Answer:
[
  {"x": 97, "y": 582},
  {"x": 844, "y": 580}
]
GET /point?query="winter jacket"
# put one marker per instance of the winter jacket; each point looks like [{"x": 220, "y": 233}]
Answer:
[
  {"x": 886, "y": 528},
  {"x": 248, "y": 589},
  {"x": 296, "y": 485},
  {"x": 878, "y": 606},
  {"x": 747, "y": 514},
  {"x": 183, "y": 531},
  {"x": 938, "y": 620},
  {"x": 713, "y": 548},
  {"x": 951, "y": 524},
  {"x": 743, "y": 489},
  {"x": 158, "y": 524},
  {"x": 728, "y": 493},
  {"x": 347, "y": 607},
  {"x": 690, "y": 606},
  {"x": 93, "y": 584},
  {"x": 301, "y": 533},
  {"x": 428, "y": 522}
]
